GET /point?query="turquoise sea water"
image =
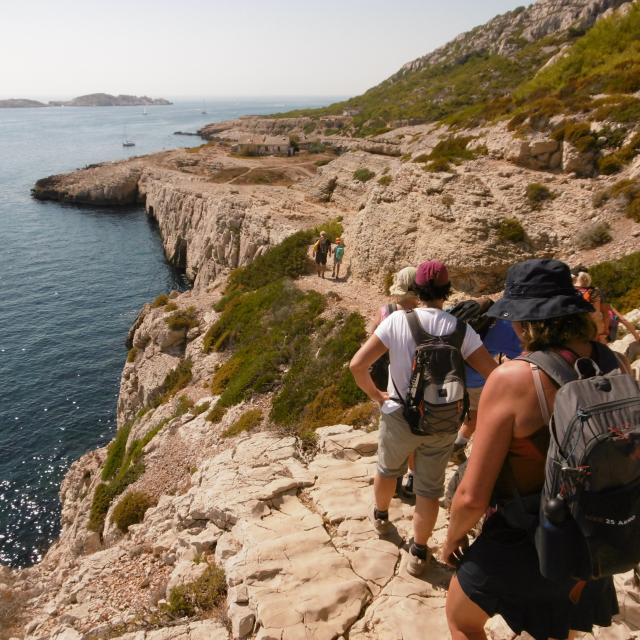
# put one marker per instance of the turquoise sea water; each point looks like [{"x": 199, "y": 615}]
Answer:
[{"x": 72, "y": 280}]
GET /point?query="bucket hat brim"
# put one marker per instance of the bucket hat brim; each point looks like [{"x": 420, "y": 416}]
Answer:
[{"x": 536, "y": 309}]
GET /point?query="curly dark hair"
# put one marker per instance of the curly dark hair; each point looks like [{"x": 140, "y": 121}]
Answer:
[
  {"x": 557, "y": 332},
  {"x": 430, "y": 291}
]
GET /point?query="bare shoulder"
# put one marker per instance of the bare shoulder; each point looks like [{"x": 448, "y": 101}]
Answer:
[{"x": 511, "y": 375}]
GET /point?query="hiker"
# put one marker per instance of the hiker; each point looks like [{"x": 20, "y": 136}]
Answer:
[
  {"x": 616, "y": 319},
  {"x": 402, "y": 290},
  {"x": 501, "y": 342},
  {"x": 338, "y": 254},
  {"x": 592, "y": 295},
  {"x": 321, "y": 249},
  {"x": 499, "y": 573},
  {"x": 434, "y": 329}
]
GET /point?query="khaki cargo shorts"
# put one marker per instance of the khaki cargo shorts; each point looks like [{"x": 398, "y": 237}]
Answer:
[
  {"x": 396, "y": 442},
  {"x": 474, "y": 398}
]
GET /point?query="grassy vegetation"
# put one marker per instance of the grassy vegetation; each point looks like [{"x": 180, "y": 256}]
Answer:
[
  {"x": 628, "y": 192},
  {"x": 280, "y": 343},
  {"x": 538, "y": 194},
  {"x": 182, "y": 320},
  {"x": 160, "y": 301},
  {"x": 184, "y": 404},
  {"x": 620, "y": 281},
  {"x": 131, "y": 509},
  {"x": 287, "y": 259},
  {"x": 363, "y": 175},
  {"x": 170, "y": 306},
  {"x": 246, "y": 422},
  {"x": 451, "y": 150},
  {"x": 131, "y": 354},
  {"x": 578, "y": 134},
  {"x": 175, "y": 380},
  {"x": 385, "y": 181},
  {"x": 593, "y": 236},
  {"x": 510, "y": 230},
  {"x": 198, "y": 597}
]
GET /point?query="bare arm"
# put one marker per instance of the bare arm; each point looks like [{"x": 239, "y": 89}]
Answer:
[
  {"x": 368, "y": 353},
  {"x": 494, "y": 431},
  {"x": 482, "y": 362}
]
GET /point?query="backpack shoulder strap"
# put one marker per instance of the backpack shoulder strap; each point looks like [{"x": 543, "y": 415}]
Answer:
[
  {"x": 457, "y": 337},
  {"x": 391, "y": 308},
  {"x": 605, "y": 358},
  {"x": 418, "y": 333},
  {"x": 553, "y": 364}
]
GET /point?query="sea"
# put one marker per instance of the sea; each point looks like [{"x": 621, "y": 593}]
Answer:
[{"x": 72, "y": 281}]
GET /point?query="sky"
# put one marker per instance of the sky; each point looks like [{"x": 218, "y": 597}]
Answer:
[{"x": 221, "y": 48}]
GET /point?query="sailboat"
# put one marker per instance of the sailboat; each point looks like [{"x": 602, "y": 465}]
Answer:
[
  {"x": 144, "y": 111},
  {"x": 125, "y": 141},
  {"x": 204, "y": 108}
]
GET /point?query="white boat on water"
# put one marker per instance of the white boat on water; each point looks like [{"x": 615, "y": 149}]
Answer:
[
  {"x": 144, "y": 111},
  {"x": 125, "y": 140}
]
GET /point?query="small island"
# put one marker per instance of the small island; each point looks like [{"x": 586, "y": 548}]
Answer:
[{"x": 89, "y": 100}]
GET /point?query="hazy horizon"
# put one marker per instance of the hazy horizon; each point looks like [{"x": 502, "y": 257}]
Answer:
[{"x": 219, "y": 49}]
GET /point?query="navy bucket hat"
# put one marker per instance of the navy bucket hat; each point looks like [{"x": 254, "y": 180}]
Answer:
[{"x": 539, "y": 290}]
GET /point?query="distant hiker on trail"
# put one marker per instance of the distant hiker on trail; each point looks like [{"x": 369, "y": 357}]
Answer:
[
  {"x": 321, "y": 249},
  {"x": 501, "y": 342},
  {"x": 500, "y": 572},
  {"x": 418, "y": 414},
  {"x": 593, "y": 296},
  {"x": 338, "y": 254},
  {"x": 402, "y": 290}
]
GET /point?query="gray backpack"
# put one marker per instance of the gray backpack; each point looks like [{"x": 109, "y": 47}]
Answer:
[
  {"x": 589, "y": 518},
  {"x": 437, "y": 399}
]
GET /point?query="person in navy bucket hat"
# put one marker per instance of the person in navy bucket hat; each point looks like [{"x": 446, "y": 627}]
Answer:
[{"x": 539, "y": 290}]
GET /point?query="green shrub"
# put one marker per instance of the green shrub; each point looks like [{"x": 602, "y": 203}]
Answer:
[
  {"x": 170, "y": 306},
  {"x": 310, "y": 127},
  {"x": 182, "y": 320},
  {"x": 610, "y": 164},
  {"x": 511, "y": 230},
  {"x": 183, "y": 405},
  {"x": 160, "y": 301},
  {"x": 115, "y": 452},
  {"x": 131, "y": 354},
  {"x": 290, "y": 259},
  {"x": 323, "y": 162},
  {"x": 363, "y": 174},
  {"x": 439, "y": 165},
  {"x": 537, "y": 194},
  {"x": 623, "y": 109},
  {"x": 200, "y": 596},
  {"x": 628, "y": 191},
  {"x": 201, "y": 408},
  {"x": 385, "y": 181},
  {"x": 594, "y": 236},
  {"x": 175, "y": 380},
  {"x": 216, "y": 414},
  {"x": 578, "y": 134},
  {"x": 131, "y": 509},
  {"x": 246, "y": 422},
  {"x": 619, "y": 280}
]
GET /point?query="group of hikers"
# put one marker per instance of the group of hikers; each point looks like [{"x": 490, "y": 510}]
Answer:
[
  {"x": 322, "y": 249},
  {"x": 554, "y": 474}
]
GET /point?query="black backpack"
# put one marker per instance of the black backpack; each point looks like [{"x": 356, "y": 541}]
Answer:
[
  {"x": 474, "y": 314},
  {"x": 379, "y": 370},
  {"x": 589, "y": 517},
  {"x": 437, "y": 399}
]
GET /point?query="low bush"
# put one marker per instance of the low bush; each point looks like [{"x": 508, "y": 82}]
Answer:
[
  {"x": 511, "y": 230},
  {"x": 183, "y": 405},
  {"x": 451, "y": 150},
  {"x": 216, "y": 414},
  {"x": 537, "y": 194},
  {"x": 131, "y": 509},
  {"x": 131, "y": 354},
  {"x": 201, "y": 408},
  {"x": 182, "y": 320},
  {"x": 246, "y": 422},
  {"x": 363, "y": 174},
  {"x": 200, "y": 596},
  {"x": 170, "y": 306},
  {"x": 160, "y": 301},
  {"x": 622, "y": 108},
  {"x": 608, "y": 165},
  {"x": 447, "y": 200},
  {"x": 175, "y": 380},
  {"x": 385, "y": 181},
  {"x": 578, "y": 134},
  {"x": 628, "y": 191},
  {"x": 594, "y": 236},
  {"x": 116, "y": 451},
  {"x": 439, "y": 165},
  {"x": 323, "y": 162},
  {"x": 619, "y": 280}
]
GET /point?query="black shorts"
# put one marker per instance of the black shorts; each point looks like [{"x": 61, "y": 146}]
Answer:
[
  {"x": 321, "y": 258},
  {"x": 500, "y": 574}
]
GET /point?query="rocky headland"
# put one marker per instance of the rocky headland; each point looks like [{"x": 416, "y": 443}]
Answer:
[{"x": 232, "y": 502}]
